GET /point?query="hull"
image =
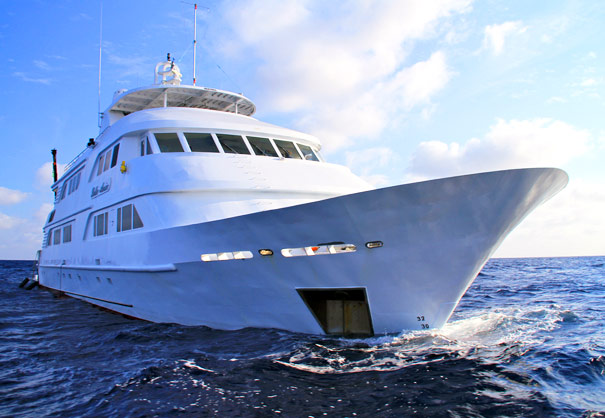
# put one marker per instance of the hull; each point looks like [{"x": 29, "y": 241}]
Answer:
[{"x": 435, "y": 236}]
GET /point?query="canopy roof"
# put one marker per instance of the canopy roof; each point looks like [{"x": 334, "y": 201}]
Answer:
[{"x": 182, "y": 96}]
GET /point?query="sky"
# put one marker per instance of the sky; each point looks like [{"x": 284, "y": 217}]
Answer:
[{"x": 398, "y": 91}]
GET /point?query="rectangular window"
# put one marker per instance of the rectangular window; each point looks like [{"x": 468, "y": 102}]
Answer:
[
  {"x": 100, "y": 165},
  {"x": 63, "y": 190},
  {"x": 107, "y": 160},
  {"x": 114, "y": 158},
  {"x": 128, "y": 218},
  {"x": 145, "y": 146},
  {"x": 67, "y": 234},
  {"x": 169, "y": 142},
  {"x": 233, "y": 144},
  {"x": 100, "y": 222},
  {"x": 49, "y": 238},
  {"x": 199, "y": 142},
  {"x": 262, "y": 146},
  {"x": 308, "y": 153},
  {"x": 287, "y": 149},
  {"x": 57, "y": 236}
]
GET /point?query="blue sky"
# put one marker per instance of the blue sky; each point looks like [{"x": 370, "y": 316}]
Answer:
[{"x": 397, "y": 90}]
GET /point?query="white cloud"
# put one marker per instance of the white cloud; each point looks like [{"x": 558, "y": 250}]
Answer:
[
  {"x": 11, "y": 197},
  {"x": 9, "y": 222},
  {"x": 508, "y": 144},
  {"x": 556, "y": 99},
  {"x": 365, "y": 162},
  {"x": 25, "y": 77},
  {"x": 44, "y": 175},
  {"x": 496, "y": 35},
  {"x": 570, "y": 224},
  {"x": 342, "y": 65},
  {"x": 418, "y": 83},
  {"x": 589, "y": 82},
  {"x": 43, "y": 65},
  {"x": 20, "y": 238}
]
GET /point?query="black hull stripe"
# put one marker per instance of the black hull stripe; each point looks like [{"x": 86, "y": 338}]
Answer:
[{"x": 100, "y": 300}]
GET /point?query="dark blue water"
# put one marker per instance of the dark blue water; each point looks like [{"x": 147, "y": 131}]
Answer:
[{"x": 527, "y": 340}]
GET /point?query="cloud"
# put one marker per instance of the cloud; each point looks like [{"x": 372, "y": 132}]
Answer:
[
  {"x": 131, "y": 65},
  {"x": 9, "y": 222},
  {"x": 365, "y": 162},
  {"x": 344, "y": 66},
  {"x": 21, "y": 237},
  {"x": 29, "y": 79},
  {"x": 43, "y": 65},
  {"x": 508, "y": 144},
  {"x": 11, "y": 197},
  {"x": 589, "y": 82},
  {"x": 495, "y": 35},
  {"x": 44, "y": 175},
  {"x": 556, "y": 99},
  {"x": 570, "y": 224}
]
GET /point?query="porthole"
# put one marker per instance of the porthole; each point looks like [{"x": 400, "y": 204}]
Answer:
[
  {"x": 319, "y": 250},
  {"x": 225, "y": 256}
]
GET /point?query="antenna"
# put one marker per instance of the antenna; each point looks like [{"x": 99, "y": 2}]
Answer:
[
  {"x": 99, "y": 115},
  {"x": 194, "y": 35},
  {"x": 194, "y": 38}
]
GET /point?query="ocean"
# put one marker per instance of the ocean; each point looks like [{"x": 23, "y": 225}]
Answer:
[{"x": 527, "y": 340}]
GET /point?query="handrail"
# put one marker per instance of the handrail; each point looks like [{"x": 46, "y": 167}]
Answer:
[{"x": 72, "y": 162}]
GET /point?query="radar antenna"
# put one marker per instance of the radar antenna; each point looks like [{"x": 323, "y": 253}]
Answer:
[
  {"x": 194, "y": 38},
  {"x": 99, "y": 114}
]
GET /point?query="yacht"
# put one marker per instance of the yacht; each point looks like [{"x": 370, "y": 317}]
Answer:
[{"x": 186, "y": 209}]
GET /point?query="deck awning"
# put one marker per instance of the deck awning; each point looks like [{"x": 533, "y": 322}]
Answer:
[{"x": 182, "y": 96}]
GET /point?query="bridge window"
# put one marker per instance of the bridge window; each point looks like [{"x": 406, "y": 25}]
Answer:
[
  {"x": 145, "y": 147},
  {"x": 233, "y": 144},
  {"x": 200, "y": 142},
  {"x": 307, "y": 152},
  {"x": 169, "y": 142},
  {"x": 287, "y": 149},
  {"x": 262, "y": 146}
]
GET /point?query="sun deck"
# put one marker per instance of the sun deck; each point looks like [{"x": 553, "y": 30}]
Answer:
[{"x": 181, "y": 96}]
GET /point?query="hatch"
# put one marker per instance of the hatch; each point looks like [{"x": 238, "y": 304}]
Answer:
[{"x": 340, "y": 311}]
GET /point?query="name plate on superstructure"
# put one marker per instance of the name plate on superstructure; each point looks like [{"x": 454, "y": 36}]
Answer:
[{"x": 99, "y": 190}]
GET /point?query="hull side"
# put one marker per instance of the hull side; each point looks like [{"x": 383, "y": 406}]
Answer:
[{"x": 436, "y": 234}]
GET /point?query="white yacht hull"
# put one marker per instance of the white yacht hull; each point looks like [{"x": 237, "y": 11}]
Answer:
[{"x": 436, "y": 237}]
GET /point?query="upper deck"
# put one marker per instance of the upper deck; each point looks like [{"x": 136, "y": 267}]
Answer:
[
  {"x": 168, "y": 92},
  {"x": 181, "y": 96}
]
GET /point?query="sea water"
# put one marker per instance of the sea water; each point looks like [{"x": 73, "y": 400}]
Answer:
[{"x": 527, "y": 340}]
